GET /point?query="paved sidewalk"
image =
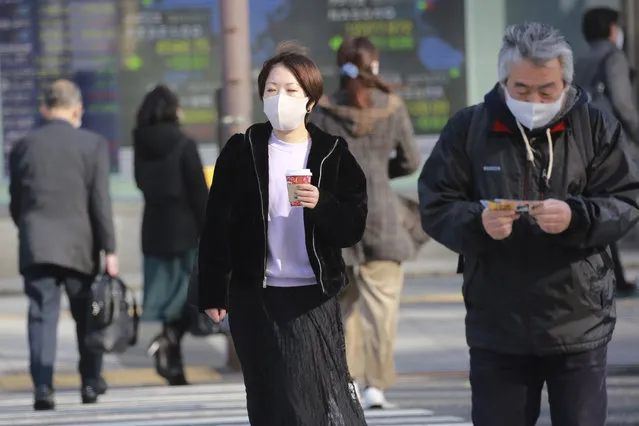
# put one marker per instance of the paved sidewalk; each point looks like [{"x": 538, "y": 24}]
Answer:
[
  {"x": 433, "y": 260},
  {"x": 430, "y": 342},
  {"x": 210, "y": 405},
  {"x": 206, "y": 357}
]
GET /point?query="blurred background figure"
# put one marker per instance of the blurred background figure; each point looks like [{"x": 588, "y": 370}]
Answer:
[
  {"x": 61, "y": 205},
  {"x": 377, "y": 126},
  {"x": 605, "y": 73},
  {"x": 168, "y": 171}
]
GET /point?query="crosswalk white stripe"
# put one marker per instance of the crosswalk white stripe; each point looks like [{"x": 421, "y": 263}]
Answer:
[
  {"x": 428, "y": 420},
  {"x": 197, "y": 410},
  {"x": 240, "y": 420},
  {"x": 140, "y": 402},
  {"x": 222, "y": 404},
  {"x": 221, "y": 388}
]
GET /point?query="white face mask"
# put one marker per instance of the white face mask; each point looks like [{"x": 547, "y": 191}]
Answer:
[
  {"x": 285, "y": 112},
  {"x": 531, "y": 114},
  {"x": 375, "y": 67},
  {"x": 620, "y": 39}
]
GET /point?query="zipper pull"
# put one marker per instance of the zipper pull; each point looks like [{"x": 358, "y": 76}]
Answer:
[{"x": 264, "y": 283}]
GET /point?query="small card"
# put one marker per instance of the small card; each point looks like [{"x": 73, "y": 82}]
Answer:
[
  {"x": 511, "y": 205},
  {"x": 501, "y": 206}
]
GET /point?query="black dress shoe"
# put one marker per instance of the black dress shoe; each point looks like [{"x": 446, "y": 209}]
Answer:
[
  {"x": 177, "y": 380},
  {"x": 43, "y": 399},
  {"x": 89, "y": 395}
]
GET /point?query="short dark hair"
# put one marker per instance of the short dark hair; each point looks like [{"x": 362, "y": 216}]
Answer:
[
  {"x": 301, "y": 66},
  {"x": 160, "y": 105},
  {"x": 62, "y": 94},
  {"x": 596, "y": 23}
]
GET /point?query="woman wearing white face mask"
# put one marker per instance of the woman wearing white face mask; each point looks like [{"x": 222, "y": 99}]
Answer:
[{"x": 272, "y": 258}]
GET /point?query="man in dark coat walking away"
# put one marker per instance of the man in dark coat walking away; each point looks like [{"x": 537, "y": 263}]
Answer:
[
  {"x": 538, "y": 284},
  {"x": 604, "y": 72},
  {"x": 61, "y": 204}
]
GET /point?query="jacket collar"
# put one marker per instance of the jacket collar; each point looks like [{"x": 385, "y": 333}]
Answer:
[
  {"x": 499, "y": 127},
  {"x": 604, "y": 46},
  {"x": 258, "y": 136},
  {"x": 321, "y": 142},
  {"x": 61, "y": 121}
]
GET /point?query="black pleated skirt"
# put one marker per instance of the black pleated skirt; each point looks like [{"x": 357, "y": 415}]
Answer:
[{"x": 290, "y": 342}]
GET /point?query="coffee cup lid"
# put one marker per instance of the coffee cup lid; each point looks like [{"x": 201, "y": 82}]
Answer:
[{"x": 300, "y": 172}]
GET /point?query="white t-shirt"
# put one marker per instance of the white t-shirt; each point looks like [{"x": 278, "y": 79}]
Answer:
[{"x": 287, "y": 264}]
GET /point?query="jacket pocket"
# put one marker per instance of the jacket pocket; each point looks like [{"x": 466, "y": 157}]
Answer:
[
  {"x": 596, "y": 267},
  {"x": 597, "y": 271}
]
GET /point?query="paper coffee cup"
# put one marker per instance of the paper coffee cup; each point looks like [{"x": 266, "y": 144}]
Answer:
[{"x": 294, "y": 178}]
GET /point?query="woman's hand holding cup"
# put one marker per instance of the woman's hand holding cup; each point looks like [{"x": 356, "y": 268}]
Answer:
[
  {"x": 307, "y": 195},
  {"x": 300, "y": 191}
]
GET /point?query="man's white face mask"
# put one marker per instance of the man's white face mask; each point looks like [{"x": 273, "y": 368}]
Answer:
[
  {"x": 620, "y": 39},
  {"x": 534, "y": 115}
]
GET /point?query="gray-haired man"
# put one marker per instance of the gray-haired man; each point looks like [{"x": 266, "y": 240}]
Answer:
[
  {"x": 538, "y": 284},
  {"x": 61, "y": 205}
]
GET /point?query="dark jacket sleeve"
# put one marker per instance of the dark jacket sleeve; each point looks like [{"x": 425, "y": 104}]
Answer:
[
  {"x": 214, "y": 258},
  {"x": 609, "y": 206},
  {"x": 449, "y": 215},
  {"x": 340, "y": 216},
  {"x": 100, "y": 200},
  {"x": 196, "y": 190},
  {"x": 407, "y": 157},
  {"x": 15, "y": 185},
  {"x": 621, "y": 93}
]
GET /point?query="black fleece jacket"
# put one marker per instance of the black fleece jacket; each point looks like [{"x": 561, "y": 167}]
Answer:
[{"x": 233, "y": 245}]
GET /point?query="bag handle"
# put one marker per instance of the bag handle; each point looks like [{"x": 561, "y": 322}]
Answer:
[
  {"x": 95, "y": 308},
  {"x": 136, "y": 321},
  {"x": 135, "y": 316}
]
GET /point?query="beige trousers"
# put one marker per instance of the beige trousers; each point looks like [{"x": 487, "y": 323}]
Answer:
[{"x": 370, "y": 307}]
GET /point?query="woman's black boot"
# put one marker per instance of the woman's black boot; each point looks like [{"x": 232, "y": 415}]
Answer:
[
  {"x": 159, "y": 350},
  {"x": 174, "y": 334}
]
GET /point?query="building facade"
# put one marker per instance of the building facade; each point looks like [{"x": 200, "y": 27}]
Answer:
[{"x": 442, "y": 55}]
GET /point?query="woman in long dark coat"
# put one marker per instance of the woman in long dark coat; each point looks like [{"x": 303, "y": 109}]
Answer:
[
  {"x": 278, "y": 268},
  {"x": 168, "y": 171}
]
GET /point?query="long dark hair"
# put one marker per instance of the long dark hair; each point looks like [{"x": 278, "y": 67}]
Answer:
[
  {"x": 160, "y": 105},
  {"x": 361, "y": 53}
]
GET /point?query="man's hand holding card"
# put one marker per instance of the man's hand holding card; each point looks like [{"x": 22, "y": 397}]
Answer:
[{"x": 552, "y": 216}]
